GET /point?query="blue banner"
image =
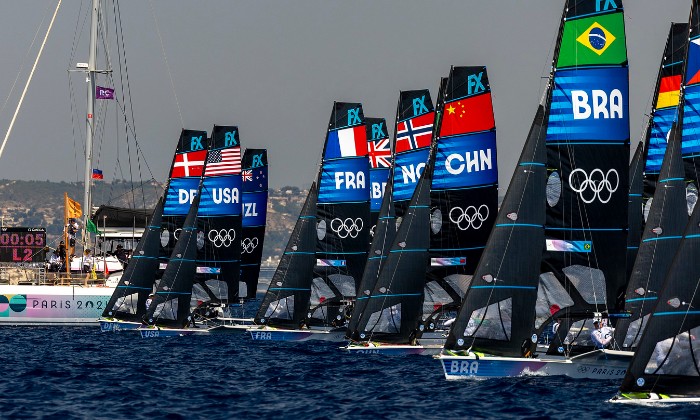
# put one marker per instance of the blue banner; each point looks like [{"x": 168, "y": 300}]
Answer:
[
  {"x": 254, "y": 208},
  {"x": 345, "y": 180},
  {"x": 590, "y": 105},
  {"x": 181, "y": 193},
  {"x": 691, "y": 122},
  {"x": 408, "y": 167},
  {"x": 221, "y": 196},
  {"x": 661, "y": 125},
  {"x": 466, "y": 161},
  {"x": 378, "y": 179}
]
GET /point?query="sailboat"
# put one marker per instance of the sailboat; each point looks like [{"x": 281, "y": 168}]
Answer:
[
  {"x": 462, "y": 208},
  {"x": 210, "y": 279},
  {"x": 285, "y": 304},
  {"x": 665, "y": 366},
  {"x": 79, "y": 303},
  {"x": 415, "y": 116},
  {"x": 579, "y": 217},
  {"x": 342, "y": 237},
  {"x": 666, "y": 221}
]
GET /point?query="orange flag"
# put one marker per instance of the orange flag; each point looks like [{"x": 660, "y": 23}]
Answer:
[{"x": 73, "y": 209}]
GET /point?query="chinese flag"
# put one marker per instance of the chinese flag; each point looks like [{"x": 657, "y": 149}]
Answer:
[{"x": 467, "y": 115}]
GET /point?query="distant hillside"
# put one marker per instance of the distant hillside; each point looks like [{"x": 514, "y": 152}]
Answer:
[{"x": 40, "y": 204}]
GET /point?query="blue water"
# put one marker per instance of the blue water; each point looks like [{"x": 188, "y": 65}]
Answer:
[{"x": 80, "y": 372}]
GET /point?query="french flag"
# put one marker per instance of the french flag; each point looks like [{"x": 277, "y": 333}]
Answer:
[{"x": 348, "y": 142}]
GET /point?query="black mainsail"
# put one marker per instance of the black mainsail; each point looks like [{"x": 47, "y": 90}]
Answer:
[
  {"x": 287, "y": 299},
  {"x": 499, "y": 306},
  {"x": 635, "y": 216},
  {"x": 663, "y": 232}
]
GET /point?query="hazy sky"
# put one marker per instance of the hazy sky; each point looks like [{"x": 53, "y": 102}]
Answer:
[{"x": 274, "y": 69}]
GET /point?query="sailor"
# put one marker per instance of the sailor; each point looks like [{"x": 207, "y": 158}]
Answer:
[
  {"x": 120, "y": 253},
  {"x": 149, "y": 300},
  {"x": 87, "y": 261},
  {"x": 601, "y": 336}
]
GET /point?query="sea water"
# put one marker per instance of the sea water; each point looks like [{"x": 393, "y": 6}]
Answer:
[{"x": 80, "y": 372}]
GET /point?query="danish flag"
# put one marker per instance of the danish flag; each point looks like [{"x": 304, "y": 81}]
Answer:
[{"x": 188, "y": 164}]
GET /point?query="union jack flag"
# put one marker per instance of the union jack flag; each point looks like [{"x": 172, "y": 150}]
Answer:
[
  {"x": 379, "y": 153},
  {"x": 414, "y": 133},
  {"x": 247, "y": 175}
]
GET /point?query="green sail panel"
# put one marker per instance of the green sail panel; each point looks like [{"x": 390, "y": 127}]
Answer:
[{"x": 593, "y": 41}]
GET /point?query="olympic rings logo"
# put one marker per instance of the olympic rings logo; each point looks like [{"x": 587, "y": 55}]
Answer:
[
  {"x": 248, "y": 245},
  {"x": 223, "y": 237},
  {"x": 348, "y": 227},
  {"x": 176, "y": 233},
  {"x": 469, "y": 217},
  {"x": 599, "y": 183}
]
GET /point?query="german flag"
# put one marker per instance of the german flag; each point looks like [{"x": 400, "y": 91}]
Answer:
[{"x": 669, "y": 92}]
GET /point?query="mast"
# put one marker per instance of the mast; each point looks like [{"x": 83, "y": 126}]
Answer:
[{"x": 89, "y": 126}]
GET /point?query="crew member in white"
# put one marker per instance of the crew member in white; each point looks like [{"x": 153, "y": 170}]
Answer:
[{"x": 602, "y": 335}]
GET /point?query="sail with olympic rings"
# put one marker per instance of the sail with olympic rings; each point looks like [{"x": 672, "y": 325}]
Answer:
[
  {"x": 588, "y": 150},
  {"x": 255, "y": 183},
  {"x": 343, "y": 217},
  {"x": 464, "y": 191}
]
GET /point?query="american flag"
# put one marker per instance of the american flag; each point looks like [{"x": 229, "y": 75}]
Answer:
[
  {"x": 379, "y": 153},
  {"x": 414, "y": 133},
  {"x": 223, "y": 162}
]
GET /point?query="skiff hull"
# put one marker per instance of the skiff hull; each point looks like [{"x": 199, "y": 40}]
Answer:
[
  {"x": 276, "y": 334},
  {"x": 150, "y": 332},
  {"x": 652, "y": 398},
  {"x": 598, "y": 364},
  {"x": 115, "y": 325},
  {"x": 52, "y": 305},
  {"x": 392, "y": 349}
]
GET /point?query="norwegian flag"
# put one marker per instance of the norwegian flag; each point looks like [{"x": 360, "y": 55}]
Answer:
[
  {"x": 415, "y": 133},
  {"x": 188, "y": 164},
  {"x": 223, "y": 162},
  {"x": 379, "y": 153},
  {"x": 247, "y": 175}
]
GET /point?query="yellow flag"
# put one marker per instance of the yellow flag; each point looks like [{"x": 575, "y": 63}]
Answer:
[{"x": 73, "y": 209}]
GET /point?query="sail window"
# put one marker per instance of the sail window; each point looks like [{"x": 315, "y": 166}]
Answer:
[
  {"x": 634, "y": 332},
  {"x": 492, "y": 322},
  {"x": 678, "y": 355},
  {"x": 459, "y": 283},
  {"x": 553, "y": 190},
  {"x": 344, "y": 283},
  {"x": 590, "y": 283},
  {"x": 320, "y": 292},
  {"x": 387, "y": 320},
  {"x": 579, "y": 333},
  {"x": 321, "y": 230},
  {"x": 691, "y": 197},
  {"x": 435, "y": 298},
  {"x": 281, "y": 309},
  {"x": 647, "y": 207},
  {"x": 127, "y": 304},
  {"x": 551, "y": 298},
  {"x": 436, "y": 221},
  {"x": 166, "y": 310}
]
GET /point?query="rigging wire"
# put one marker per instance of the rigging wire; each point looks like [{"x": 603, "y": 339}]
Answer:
[
  {"x": 31, "y": 75},
  {"x": 167, "y": 66}
]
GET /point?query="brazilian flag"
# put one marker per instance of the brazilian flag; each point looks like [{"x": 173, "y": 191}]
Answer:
[{"x": 597, "y": 40}]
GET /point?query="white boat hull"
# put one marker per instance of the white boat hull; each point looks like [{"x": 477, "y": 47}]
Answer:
[
  {"x": 597, "y": 364},
  {"x": 278, "y": 334},
  {"x": 652, "y": 399},
  {"x": 158, "y": 332},
  {"x": 115, "y": 325},
  {"x": 392, "y": 349},
  {"x": 52, "y": 305}
]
